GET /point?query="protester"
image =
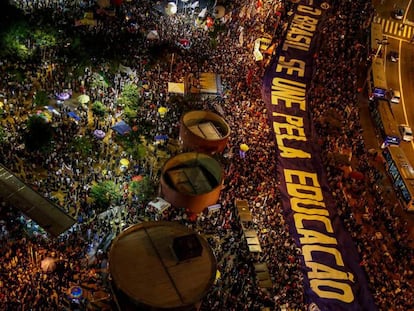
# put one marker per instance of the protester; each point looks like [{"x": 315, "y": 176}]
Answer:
[{"x": 79, "y": 253}]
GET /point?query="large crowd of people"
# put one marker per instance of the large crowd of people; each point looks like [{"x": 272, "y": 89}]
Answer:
[{"x": 80, "y": 261}]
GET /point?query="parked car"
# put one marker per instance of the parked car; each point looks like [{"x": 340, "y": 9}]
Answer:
[
  {"x": 394, "y": 57},
  {"x": 406, "y": 132},
  {"x": 398, "y": 14}
]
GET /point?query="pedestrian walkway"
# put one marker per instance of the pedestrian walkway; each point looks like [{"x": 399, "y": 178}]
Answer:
[{"x": 395, "y": 28}]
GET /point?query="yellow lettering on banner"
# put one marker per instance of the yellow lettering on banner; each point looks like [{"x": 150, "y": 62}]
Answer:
[
  {"x": 296, "y": 45},
  {"x": 302, "y": 177},
  {"x": 321, "y": 271},
  {"x": 278, "y": 127},
  {"x": 319, "y": 287},
  {"x": 308, "y": 249},
  {"x": 309, "y": 10},
  {"x": 297, "y": 30},
  {"x": 291, "y": 92},
  {"x": 287, "y": 152},
  {"x": 292, "y": 66},
  {"x": 297, "y": 121},
  {"x": 305, "y": 192},
  {"x": 313, "y": 237},
  {"x": 307, "y": 186},
  {"x": 297, "y": 202},
  {"x": 304, "y": 23},
  {"x": 299, "y": 39},
  {"x": 299, "y": 218}
]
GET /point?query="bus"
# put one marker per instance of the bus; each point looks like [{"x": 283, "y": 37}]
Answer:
[
  {"x": 379, "y": 89},
  {"x": 385, "y": 123},
  {"x": 402, "y": 175}
]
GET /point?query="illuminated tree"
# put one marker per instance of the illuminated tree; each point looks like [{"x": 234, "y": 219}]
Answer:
[
  {"x": 131, "y": 93},
  {"x": 82, "y": 146},
  {"x": 104, "y": 194},
  {"x": 16, "y": 41},
  {"x": 99, "y": 108},
  {"x": 143, "y": 189}
]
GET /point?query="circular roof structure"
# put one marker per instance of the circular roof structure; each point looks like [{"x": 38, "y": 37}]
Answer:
[
  {"x": 204, "y": 131},
  {"x": 144, "y": 266},
  {"x": 206, "y": 125}
]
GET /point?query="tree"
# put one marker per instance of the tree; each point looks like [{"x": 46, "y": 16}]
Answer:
[
  {"x": 41, "y": 99},
  {"x": 39, "y": 133},
  {"x": 123, "y": 101},
  {"x": 104, "y": 194},
  {"x": 98, "y": 81},
  {"x": 129, "y": 112},
  {"x": 131, "y": 93},
  {"x": 137, "y": 151},
  {"x": 44, "y": 39},
  {"x": 99, "y": 108},
  {"x": 15, "y": 40},
  {"x": 82, "y": 145},
  {"x": 143, "y": 189}
]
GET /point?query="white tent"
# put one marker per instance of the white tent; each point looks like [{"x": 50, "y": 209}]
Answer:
[
  {"x": 159, "y": 204},
  {"x": 153, "y": 35}
]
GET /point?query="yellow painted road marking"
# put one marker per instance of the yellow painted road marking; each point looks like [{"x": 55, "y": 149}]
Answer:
[{"x": 393, "y": 27}]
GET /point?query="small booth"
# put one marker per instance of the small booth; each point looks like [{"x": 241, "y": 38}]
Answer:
[{"x": 158, "y": 208}]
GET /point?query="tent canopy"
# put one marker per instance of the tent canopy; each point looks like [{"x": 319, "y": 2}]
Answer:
[
  {"x": 73, "y": 115},
  {"x": 121, "y": 128}
]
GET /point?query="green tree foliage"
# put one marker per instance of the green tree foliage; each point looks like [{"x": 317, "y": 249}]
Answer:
[
  {"x": 82, "y": 146},
  {"x": 131, "y": 93},
  {"x": 143, "y": 189},
  {"x": 44, "y": 38},
  {"x": 99, "y": 108},
  {"x": 123, "y": 101},
  {"x": 22, "y": 42},
  {"x": 39, "y": 133},
  {"x": 16, "y": 40},
  {"x": 41, "y": 99},
  {"x": 137, "y": 151},
  {"x": 130, "y": 112},
  {"x": 99, "y": 82},
  {"x": 104, "y": 194}
]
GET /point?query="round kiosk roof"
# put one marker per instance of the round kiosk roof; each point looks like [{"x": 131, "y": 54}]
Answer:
[{"x": 143, "y": 266}]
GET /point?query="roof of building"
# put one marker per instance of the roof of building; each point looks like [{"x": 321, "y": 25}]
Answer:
[{"x": 143, "y": 266}]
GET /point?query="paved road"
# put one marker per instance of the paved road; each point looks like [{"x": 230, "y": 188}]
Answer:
[
  {"x": 384, "y": 8},
  {"x": 372, "y": 142},
  {"x": 395, "y": 28}
]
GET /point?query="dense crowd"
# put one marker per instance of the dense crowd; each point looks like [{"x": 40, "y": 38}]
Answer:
[{"x": 333, "y": 92}]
